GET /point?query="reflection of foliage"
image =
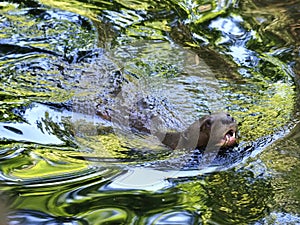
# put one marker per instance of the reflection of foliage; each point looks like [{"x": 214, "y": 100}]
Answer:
[
  {"x": 261, "y": 96},
  {"x": 21, "y": 84},
  {"x": 282, "y": 161},
  {"x": 196, "y": 198},
  {"x": 201, "y": 11},
  {"x": 104, "y": 146},
  {"x": 237, "y": 198},
  {"x": 27, "y": 161},
  {"x": 266, "y": 114},
  {"x": 139, "y": 204},
  {"x": 103, "y": 142},
  {"x": 36, "y": 69},
  {"x": 154, "y": 68},
  {"x": 11, "y": 152},
  {"x": 229, "y": 197},
  {"x": 274, "y": 22},
  {"x": 9, "y": 110},
  {"x": 62, "y": 129},
  {"x": 50, "y": 163},
  {"x": 64, "y": 32}
]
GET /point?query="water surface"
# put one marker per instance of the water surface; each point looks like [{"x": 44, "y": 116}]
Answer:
[{"x": 60, "y": 163}]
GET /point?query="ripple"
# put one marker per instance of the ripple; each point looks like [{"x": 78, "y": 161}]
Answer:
[
  {"x": 52, "y": 155},
  {"x": 25, "y": 217}
]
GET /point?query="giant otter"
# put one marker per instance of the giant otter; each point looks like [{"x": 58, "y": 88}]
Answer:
[{"x": 217, "y": 130}]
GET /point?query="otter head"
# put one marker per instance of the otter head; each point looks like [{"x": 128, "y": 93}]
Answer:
[{"x": 218, "y": 129}]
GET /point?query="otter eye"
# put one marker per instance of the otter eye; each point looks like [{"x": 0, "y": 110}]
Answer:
[{"x": 208, "y": 122}]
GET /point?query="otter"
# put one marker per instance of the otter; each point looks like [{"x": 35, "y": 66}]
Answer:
[{"x": 217, "y": 129}]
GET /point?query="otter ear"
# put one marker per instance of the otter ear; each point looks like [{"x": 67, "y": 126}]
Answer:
[{"x": 206, "y": 123}]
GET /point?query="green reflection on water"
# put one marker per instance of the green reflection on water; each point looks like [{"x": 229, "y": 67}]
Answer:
[
  {"x": 34, "y": 162},
  {"x": 49, "y": 163},
  {"x": 219, "y": 200},
  {"x": 107, "y": 215},
  {"x": 282, "y": 161},
  {"x": 270, "y": 111},
  {"x": 262, "y": 99}
]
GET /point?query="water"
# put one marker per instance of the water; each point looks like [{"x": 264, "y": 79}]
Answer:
[{"x": 60, "y": 163}]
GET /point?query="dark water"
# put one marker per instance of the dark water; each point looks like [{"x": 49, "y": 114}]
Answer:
[{"x": 62, "y": 164}]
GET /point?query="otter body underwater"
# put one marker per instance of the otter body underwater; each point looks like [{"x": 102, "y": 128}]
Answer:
[{"x": 147, "y": 113}]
